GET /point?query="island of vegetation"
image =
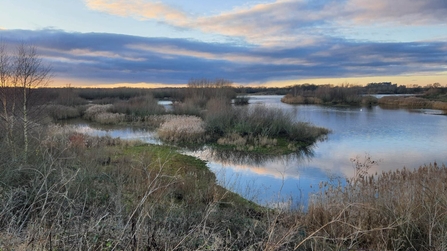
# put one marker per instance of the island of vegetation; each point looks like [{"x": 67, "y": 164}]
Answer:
[
  {"x": 64, "y": 190},
  {"x": 416, "y": 97}
]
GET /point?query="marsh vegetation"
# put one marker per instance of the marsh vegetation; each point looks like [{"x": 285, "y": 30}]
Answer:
[{"x": 64, "y": 190}]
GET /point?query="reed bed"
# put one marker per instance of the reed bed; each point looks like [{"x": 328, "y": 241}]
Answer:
[
  {"x": 412, "y": 102},
  {"x": 290, "y": 99}
]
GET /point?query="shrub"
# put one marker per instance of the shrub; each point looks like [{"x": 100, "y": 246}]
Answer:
[
  {"x": 58, "y": 112},
  {"x": 219, "y": 117},
  {"x": 241, "y": 100},
  {"x": 138, "y": 107}
]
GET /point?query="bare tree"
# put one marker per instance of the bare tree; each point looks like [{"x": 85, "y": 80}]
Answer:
[
  {"x": 21, "y": 73},
  {"x": 7, "y": 93}
]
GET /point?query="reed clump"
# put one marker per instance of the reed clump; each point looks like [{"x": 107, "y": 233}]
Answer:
[{"x": 395, "y": 210}]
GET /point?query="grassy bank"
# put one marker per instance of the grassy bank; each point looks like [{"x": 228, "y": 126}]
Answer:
[{"x": 90, "y": 193}]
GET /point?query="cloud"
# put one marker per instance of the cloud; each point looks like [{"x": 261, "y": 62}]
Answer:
[
  {"x": 139, "y": 9},
  {"x": 114, "y": 58},
  {"x": 286, "y": 22},
  {"x": 408, "y": 12}
]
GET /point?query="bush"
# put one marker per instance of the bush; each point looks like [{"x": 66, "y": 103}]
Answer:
[
  {"x": 138, "y": 107},
  {"x": 58, "y": 112}
]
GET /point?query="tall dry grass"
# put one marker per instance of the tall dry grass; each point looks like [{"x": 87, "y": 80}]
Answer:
[{"x": 396, "y": 210}]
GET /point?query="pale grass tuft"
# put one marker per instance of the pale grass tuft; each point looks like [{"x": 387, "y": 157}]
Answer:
[
  {"x": 94, "y": 110},
  {"x": 101, "y": 114},
  {"x": 181, "y": 129}
]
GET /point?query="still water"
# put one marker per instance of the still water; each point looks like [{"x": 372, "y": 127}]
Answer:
[{"x": 395, "y": 138}]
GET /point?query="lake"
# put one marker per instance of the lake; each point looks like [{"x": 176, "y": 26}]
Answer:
[{"x": 395, "y": 138}]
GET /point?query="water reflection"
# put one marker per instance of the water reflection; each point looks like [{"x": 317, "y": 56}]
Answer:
[
  {"x": 126, "y": 133},
  {"x": 256, "y": 159}
]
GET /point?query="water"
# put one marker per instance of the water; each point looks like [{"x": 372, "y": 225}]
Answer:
[{"x": 393, "y": 137}]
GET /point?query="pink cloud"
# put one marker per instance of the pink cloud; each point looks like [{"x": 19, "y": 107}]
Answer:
[{"x": 285, "y": 22}]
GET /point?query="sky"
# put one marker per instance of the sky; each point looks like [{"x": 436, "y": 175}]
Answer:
[{"x": 149, "y": 43}]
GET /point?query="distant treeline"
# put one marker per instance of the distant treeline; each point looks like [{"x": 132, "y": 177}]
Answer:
[
  {"x": 202, "y": 87},
  {"x": 348, "y": 94}
]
